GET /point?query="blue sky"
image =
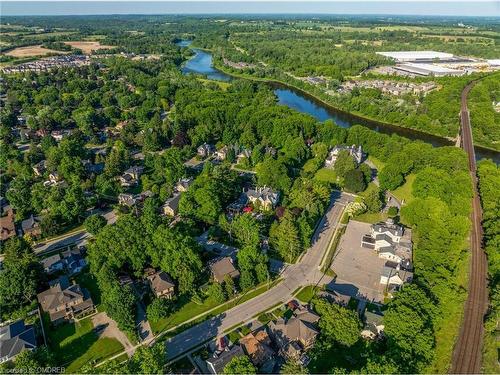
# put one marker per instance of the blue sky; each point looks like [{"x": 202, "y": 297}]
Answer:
[{"x": 418, "y": 7}]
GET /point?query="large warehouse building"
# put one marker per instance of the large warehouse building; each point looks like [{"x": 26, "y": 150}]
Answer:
[
  {"x": 417, "y": 56},
  {"x": 428, "y": 70}
]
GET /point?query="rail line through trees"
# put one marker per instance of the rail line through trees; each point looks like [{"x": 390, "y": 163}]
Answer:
[{"x": 468, "y": 348}]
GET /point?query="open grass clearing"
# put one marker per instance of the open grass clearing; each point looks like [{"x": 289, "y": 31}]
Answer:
[
  {"x": 404, "y": 192},
  {"x": 326, "y": 175},
  {"x": 75, "y": 344}
]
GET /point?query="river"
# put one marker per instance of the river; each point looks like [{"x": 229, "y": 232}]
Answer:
[{"x": 201, "y": 63}]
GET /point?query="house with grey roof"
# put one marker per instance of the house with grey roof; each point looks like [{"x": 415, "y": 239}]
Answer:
[
  {"x": 131, "y": 176},
  {"x": 171, "y": 205},
  {"x": 161, "y": 283},
  {"x": 373, "y": 325},
  {"x": 205, "y": 150},
  {"x": 217, "y": 362},
  {"x": 263, "y": 197},
  {"x": 297, "y": 334},
  {"x": 355, "y": 151},
  {"x": 31, "y": 226},
  {"x": 65, "y": 302},
  {"x": 15, "y": 338},
  {"x": 52, "y": 264},
  {"x": 393, "y": 277},
  {"x": 223, "y": 267}
]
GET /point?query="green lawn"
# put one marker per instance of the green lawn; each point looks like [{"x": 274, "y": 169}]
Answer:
[
  {"x": 307, "y": 293},
  {"x": 326, "y": 175},
  {"x": 73, "y": 345},
  {"x": 190, "y": 309},
  {"x": 372, "y": 217},
  {"x": 103, "y": 348},
  {"x": 378, "y": 164},
  {"x": 403, "y": 193}
]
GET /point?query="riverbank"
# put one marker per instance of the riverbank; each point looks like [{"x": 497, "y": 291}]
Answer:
[
  {"x": 297, "y": 98},
  {"x": 437, "y": 140}
]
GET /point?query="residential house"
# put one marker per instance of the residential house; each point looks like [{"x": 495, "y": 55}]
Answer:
[
  {"x": 15, "y": 338},
  {"x": 263, "y": 197},
  {"x": 54, "y": 179},
  {"x": 243, "y": 155},
  {"x": 335, "y": 297},
  {"x": 297, "y": 334},
  {"x": 223, "y": 267},
  {"x": 126, "y": 199},
  {"x": 7, "y": 225},
  {"x": 161, "y": 283},
  {"x": 31, "y": 226},
  {"x": 393, "y": 277},
  {"x": 183, "y": 184},
  {"x": 59, "y": 135},
  {"x": 391, "y": 242},
  {"x": 171, "y": 205},
  {"x": 73, "y": 260},
  {"x": 205, "y": 150},
  {"x": 222, "y": 153},
  {"x": 39, "y": 168},
  {"x": 65, "y": 302},
  {"x": 217, "y": 363},
  {"x": 52, "y": 264},
  {"x": 373, "y": 324},
  {"x": 257, "y": 346},
  {"x": 355, "y": 151},
  {"x": 131, "y": 176}
]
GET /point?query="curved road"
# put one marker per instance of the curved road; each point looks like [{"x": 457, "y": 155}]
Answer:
[
  {"x": 305, "y": 272},
  {"x": 468, "y": 348}
]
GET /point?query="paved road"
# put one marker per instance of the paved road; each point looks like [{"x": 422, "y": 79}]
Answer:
[
  {"x": 78, "y": 237},
  {"x": 468, "y": 348},
  {"x": 306, "y": 272}
]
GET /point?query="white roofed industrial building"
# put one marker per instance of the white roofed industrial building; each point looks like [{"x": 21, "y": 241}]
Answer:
[
  {"x": 407, "y": 56},
  {"x": 429, "y": 70}
]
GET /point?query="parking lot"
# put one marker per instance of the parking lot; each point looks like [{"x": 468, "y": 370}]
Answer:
[{"x": 358, "y": 269}]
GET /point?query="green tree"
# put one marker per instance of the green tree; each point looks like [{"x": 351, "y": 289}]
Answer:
[
  {"x": 216, "y": 292},
  {"x": 354, "y": 181},
  {"x": 293, "y": 366},
  {"x": 94, "y": 223},
  {"x": 149, "y": 360},
  {"x": 159, "y": 308},
  {"x": 119, "y": 303},
  {"x": 239, "y": 365},
  {"x": 20, "y": 278},
  {"x": 373, "y": 200},
  {"x": 338, "y": 323},
  {"x": 229, "y": 286},
  {"x": 284, "y": 237},
  {"x": 344, "y": 163}
]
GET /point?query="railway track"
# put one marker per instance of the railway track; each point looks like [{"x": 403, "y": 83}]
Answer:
[{"x": 467, "y": 350}]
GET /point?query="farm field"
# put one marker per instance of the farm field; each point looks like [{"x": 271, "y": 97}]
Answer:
[
  {"x": 30, "y": 51},
  {"x": 88, "y": 46}
]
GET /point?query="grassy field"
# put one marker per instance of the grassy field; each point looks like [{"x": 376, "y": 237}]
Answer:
[
  {"x": 403, "y": 193},
  {"x": 74, "y": 345},
  {"x": 326, "y": 175},
  {"x": 378, "y": 163}
]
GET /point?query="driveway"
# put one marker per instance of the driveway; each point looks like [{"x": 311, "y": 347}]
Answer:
[
  {"x": 107, "y": 327},
  {"x": 358, "y": 269}
]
